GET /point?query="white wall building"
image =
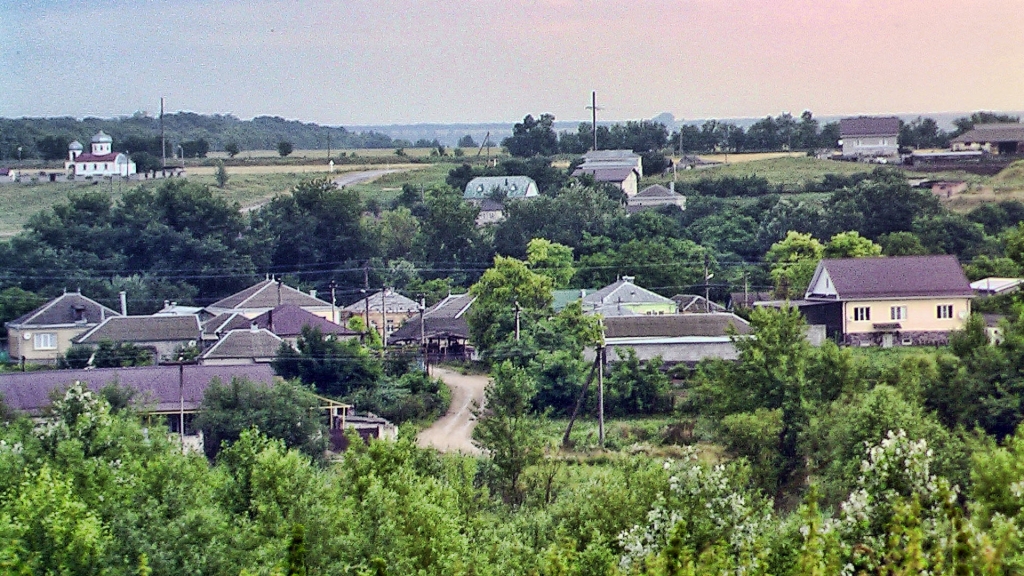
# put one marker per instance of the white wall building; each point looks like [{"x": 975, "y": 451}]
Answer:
[{"x": 100, "y": 161}]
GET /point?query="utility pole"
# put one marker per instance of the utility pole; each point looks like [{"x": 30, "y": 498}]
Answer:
[
  {"x": 707, "y": 287},
  {"x": 746, "y": 289},
  {"x": 328, "y": 144},
  {"x": 517, "y": 309},
  {"x": 593, "y": 108},
  {"x": 423, "y": 337},
  {"x": 601, "y": 358},
  {"x": 384, "y": 316},
  {"x": 334, "y": 311},
  {"x": 279, "y": 282},
  {"x": 366, "y": 294},
  {"x": 163, "y": 140}
]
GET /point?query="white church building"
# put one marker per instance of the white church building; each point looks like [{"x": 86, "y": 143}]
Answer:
[{"x": 101, "y": 161}]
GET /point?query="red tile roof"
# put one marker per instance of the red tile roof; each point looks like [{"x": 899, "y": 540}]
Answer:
[{"x": 97, "y": 157}]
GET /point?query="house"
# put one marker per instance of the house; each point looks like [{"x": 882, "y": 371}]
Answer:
[
  {"x": 694, "y": 304},
  {"x": 1000, "y": 138},
  {"x": 624, "y": 298},
  {"x": 868, "y": 137},
  {"x": 905, "y": 300},
  {"x": 500, "y": 187},
  {"x": 45, "y": 334},
  {"x": 614, "y": 159},
  {"x": 624, "y": 178},
  {"x": 163, "y": 335},
  {"x": 100, "y": 161},
  {"x": 444, "y": 330},
  {"x": 994, "y": 286},
  {"x": 269, "y": 294},
  {"x": 247, "y": 346},
  {"x": 174, "y": 309},
  {"x": 491, "y": 212},
  {"x": 677, "y": 338},
  {"x": 654, "y": 197},
  {"x": 386, "y": 308},
  {"x": 221, "y": 324},
  {"x": 287, "y": 321}
]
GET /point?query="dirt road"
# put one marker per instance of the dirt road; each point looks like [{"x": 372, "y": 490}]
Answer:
[
  {"x": 452, "y": 433},
  {"x": 354, "y": 177}
]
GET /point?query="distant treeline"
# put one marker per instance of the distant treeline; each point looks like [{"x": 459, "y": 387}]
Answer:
[{"x": 48, "y": 138}]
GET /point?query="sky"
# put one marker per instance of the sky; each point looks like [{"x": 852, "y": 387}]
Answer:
[{"x": 363, "y": 62}]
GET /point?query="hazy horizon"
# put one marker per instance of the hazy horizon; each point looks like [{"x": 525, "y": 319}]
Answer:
[{"x": 354, "y": 63}]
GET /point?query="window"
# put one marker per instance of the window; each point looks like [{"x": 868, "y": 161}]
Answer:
[
  {"x": 944, "y": 311},
  {"x": 898, "y": 313},
  {"x": 862, "y": 313},
  {"x": 46, "y": 341}
]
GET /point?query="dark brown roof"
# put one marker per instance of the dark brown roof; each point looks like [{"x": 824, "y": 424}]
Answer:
[
  {"x": 288, "y": 320},
  {"x": 225, "y": 323},
  {"x": 446, "y": 319},
  {"x": 896, "y": 277},
  {"x": 747, "y": 299},
  {"x": 144, "y": 329},
  {"x": 70, "y": 308},
  {"x": 869, "y": 126},
  {"x": 247, "y": 343},
  {"x": 265, "y": 295},
  {"x": 673, "y": 325},
  {"x": 615, "y": 174},
  {"x": 158, "y": 387},
  {"x": 1006, "y": 132}
]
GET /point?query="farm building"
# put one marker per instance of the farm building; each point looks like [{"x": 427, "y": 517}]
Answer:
[{"x": 1004, "y": 138}]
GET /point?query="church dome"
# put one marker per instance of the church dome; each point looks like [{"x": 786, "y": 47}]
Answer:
[
  {"x": 101, "y": 137},
  {"x": 75, "y": 145}
]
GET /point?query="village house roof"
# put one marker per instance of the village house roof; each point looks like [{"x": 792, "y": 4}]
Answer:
[
  {"x": 615, "y": 174},
  {"x": 225, "y": 323},
  {"x": 249, "y": 343},
  {"x": 892, "y": 277},
  {"x": 623, "y": 291},
  {"x": 489, "y": 205},
  {"x": 1001, "y": 132},
  {"x": 69, "y": 309},
  {"x": 267, "y": 294},
  {"x": 611, "y": 156},
  {"x": 674, "y": 325},
  {"x": 656, "y": 191},
  {"x": 869, "y": 126},
  {"x": 396, "y": 303},
  {"x": 143, "y": 329},
  {"x": 695, "y": 304},
  {"x": 509, "y": 186},
  {"x": 748, "y": 299},
  {"x": 158, "y": 388},
  {"x": 446, "y": 319},
  {"x": 288, "y": 320}
]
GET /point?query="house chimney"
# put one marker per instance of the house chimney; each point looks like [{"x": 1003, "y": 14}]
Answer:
[
  {"x": 312, "y": 293},
  {"x": 253, "y": 327},
  {"x": 167, "y": 303},
  {"x": 270, "y": 320},
  {"x": 124, "y": 302}
]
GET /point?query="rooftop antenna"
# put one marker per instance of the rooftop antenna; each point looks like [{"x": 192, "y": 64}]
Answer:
[{"x": 593, "y": 108}]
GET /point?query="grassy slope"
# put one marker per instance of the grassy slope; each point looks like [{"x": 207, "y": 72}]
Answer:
[{"x": 791, "y": 172}]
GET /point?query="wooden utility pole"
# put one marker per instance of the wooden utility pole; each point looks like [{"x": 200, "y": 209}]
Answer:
[
  {"x": 334, "y": 311},
  {"x": 384, "y": 317},
  {"x": 517, "y": 309},
  {"x": 600, "y": 394},
  {"x": 593, "y": 108},
  {"x": 423, "y": 335},
  {"x": 163, "y": 140},
  {"x": 707, "y": 287},
  {"x": 579, "y": 402}
]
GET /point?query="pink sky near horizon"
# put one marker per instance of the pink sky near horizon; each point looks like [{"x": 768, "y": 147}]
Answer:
[{"x": 365, "y": 62}]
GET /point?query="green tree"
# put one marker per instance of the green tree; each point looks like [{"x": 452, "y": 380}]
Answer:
[
  {"x": 851, "y": 245},
  {"x": 284, "y": 148},
  {"x": 901, "y": 244},
  {"x": 467, "y": 142},
  {"x": 505, "y": 429},
  {"x": 283, "y": 410},
  {"x": 232, "y": 149},
  {"x": 508, "y": 283},
  {"x": 533, "y": 137},
  {"x": 793, "y": 261},
  {"x": 550, "y": 259},
  {"x": 221, "y": 175},
  {"x": 120, "y": 354},
  {"x": 335, "y": 368}
]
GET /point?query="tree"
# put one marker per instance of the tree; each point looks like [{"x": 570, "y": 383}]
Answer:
[
  {"x": 121, "y": 355},
  {"x": 221, "y": 175},
  {"x": 467, "y": 142},
  {"x": 505, "y": 429},
  {"x": 901, "y": 244},
  {"x": 232, "y": 149},
  {"x": 794, "y": 260},
  {"x": 551, "y": 259},
  {"x": 533, "y": 137},
  {"x": 284, "y": 148},
  {"x": 505, "y": 285},
  {"x": 15, "y": 302},
  {"x": 851, "y": 245},
  {"x": 283, "y": 410},
  {"x": 332, "y": 367},
  {"x": 195, "y": 148}
]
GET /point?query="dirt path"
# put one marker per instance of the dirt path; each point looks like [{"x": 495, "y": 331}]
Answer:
[
  {"x": 354, "y": 177},
  {"x": 452, "y": 433}
]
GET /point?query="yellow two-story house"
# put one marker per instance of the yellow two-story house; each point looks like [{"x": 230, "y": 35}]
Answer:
[
  {"x": 45, "y": 334},
  {"x": 894, "y": 301}
]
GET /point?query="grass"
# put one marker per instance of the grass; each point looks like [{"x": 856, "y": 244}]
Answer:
[
  {"x": 19, "y": 202},
  {"x": 792, "y": 172},
  {"x": 388, "y": 187},
  {"x": 335, "y": 152}
]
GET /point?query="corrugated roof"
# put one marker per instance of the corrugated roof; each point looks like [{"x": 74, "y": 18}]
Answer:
[
  {"x": 144, "y": 329},
  {"x": 895, "y": 277},
  {"x": 511, "y": 186},
  {"x": 247, "y": 343},
  {"x": 69, "y": 308},
  {"x": 1005, "y": 132},
  {"x": 674, "y": 325},
  {"x": 869, "y": 126},
  {"x": 265, "y": 295},
  {"x": 288, "y": 320},
  {"x": 158, "y": 387}
]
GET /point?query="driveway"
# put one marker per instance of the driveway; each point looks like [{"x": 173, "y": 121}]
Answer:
[{"x": 453, "y": 432}]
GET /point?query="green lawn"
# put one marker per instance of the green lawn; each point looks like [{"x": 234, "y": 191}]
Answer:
[
  {"x": 18, "y": 202},
  {"x": 793, "y": 173}
]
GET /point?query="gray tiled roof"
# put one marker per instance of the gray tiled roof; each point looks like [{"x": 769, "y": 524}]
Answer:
[
  {"x": 511, "y": 186},
  {"x": 69, "y": 308},
  {"x": 452, "y": 306},
  {"x": 606, "y": 174},
  {"x": 895, "y": 277},
  {"x": 265, "y": 295},
  {"x": 656, "y": 191},
  {"x": 396, "y": 303},
  {"x": 674, "y": 325},
  {"x": 288, "y": 320},
  {"x": 606, "y": 155},
  {"x": 225, "y": 323},
  {"x": 444, "y": 319},
  {"x": 159, "y": 388},
  {"x": 248, "y": 343},
  {"x": 869, "y": 126},
  {"x": 623, "y": 291},
  {"x": 144, "y": 329}
]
